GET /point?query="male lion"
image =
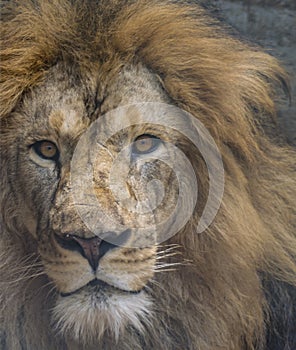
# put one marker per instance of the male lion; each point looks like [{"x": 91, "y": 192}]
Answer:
[{"x": 95, "y": 158}]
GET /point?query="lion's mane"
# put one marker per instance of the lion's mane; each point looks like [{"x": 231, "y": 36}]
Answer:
[{"x": 237, "y": 289}]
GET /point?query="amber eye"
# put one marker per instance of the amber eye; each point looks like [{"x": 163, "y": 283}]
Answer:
[
  {"x": 145, "y": 144},
  {"x": 46, "y": 150}
]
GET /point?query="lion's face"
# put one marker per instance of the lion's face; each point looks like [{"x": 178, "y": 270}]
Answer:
[
  {"x": 103, "y": 188},
  {"x": 100, "y": 278}
]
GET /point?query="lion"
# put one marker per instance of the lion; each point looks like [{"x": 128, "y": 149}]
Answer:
[{"x": 89, "y": 258}]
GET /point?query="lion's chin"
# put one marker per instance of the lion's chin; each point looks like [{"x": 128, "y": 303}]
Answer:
[
  {"x": 88, "y": 313},
  {"x": 100, "y": 288}
]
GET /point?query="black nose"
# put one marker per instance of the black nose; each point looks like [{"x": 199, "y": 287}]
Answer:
[{"x": 92, "y": 249}]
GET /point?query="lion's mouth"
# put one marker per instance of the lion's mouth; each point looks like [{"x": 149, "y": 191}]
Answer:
[{"x": 98, "y": 285}]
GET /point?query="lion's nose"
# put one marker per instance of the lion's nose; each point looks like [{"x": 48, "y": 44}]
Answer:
[{"x": 92, "y": 249}]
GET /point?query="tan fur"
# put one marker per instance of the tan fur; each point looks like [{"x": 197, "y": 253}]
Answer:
[{"x": 54, "y": 53}]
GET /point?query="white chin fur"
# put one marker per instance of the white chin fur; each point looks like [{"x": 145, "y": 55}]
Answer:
[{"x": 85, "y": 316}]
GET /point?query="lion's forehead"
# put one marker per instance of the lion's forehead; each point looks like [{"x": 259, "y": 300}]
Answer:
[
  {"x": 68, "y": 106},
  {"x": 66, "y": 122}
]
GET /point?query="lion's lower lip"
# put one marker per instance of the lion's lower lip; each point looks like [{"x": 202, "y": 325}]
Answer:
[{"x": 100, "y": 285}]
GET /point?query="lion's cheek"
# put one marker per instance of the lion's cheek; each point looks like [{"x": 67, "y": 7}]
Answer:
[
  {"x": 130, "y": 273},
  {"x": 69, "y": 275},
  {"x": 125, "y": 280}
]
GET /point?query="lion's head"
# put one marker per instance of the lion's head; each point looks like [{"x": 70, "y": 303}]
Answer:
[{"x": 116, "y": 119}]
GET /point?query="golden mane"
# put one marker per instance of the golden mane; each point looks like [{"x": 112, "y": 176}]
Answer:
[{"x": 246, "y": 260}]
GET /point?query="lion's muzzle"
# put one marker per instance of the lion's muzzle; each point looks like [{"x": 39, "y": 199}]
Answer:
[{"x": 91, "y": 248}]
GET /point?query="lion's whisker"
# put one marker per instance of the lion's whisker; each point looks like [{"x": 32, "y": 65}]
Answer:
[
  {"x": 160, "y": 266},
  {"x": 24, "y": 278},
  {"x": 166, "y": 256}
]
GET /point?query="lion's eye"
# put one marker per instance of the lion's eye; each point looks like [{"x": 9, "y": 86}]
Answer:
[
  {"x": 145, "y": 144},
  {"x": 46, "y": 150}
]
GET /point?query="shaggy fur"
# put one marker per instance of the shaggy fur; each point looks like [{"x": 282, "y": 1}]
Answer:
[{"x": 237, "y": 289}]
